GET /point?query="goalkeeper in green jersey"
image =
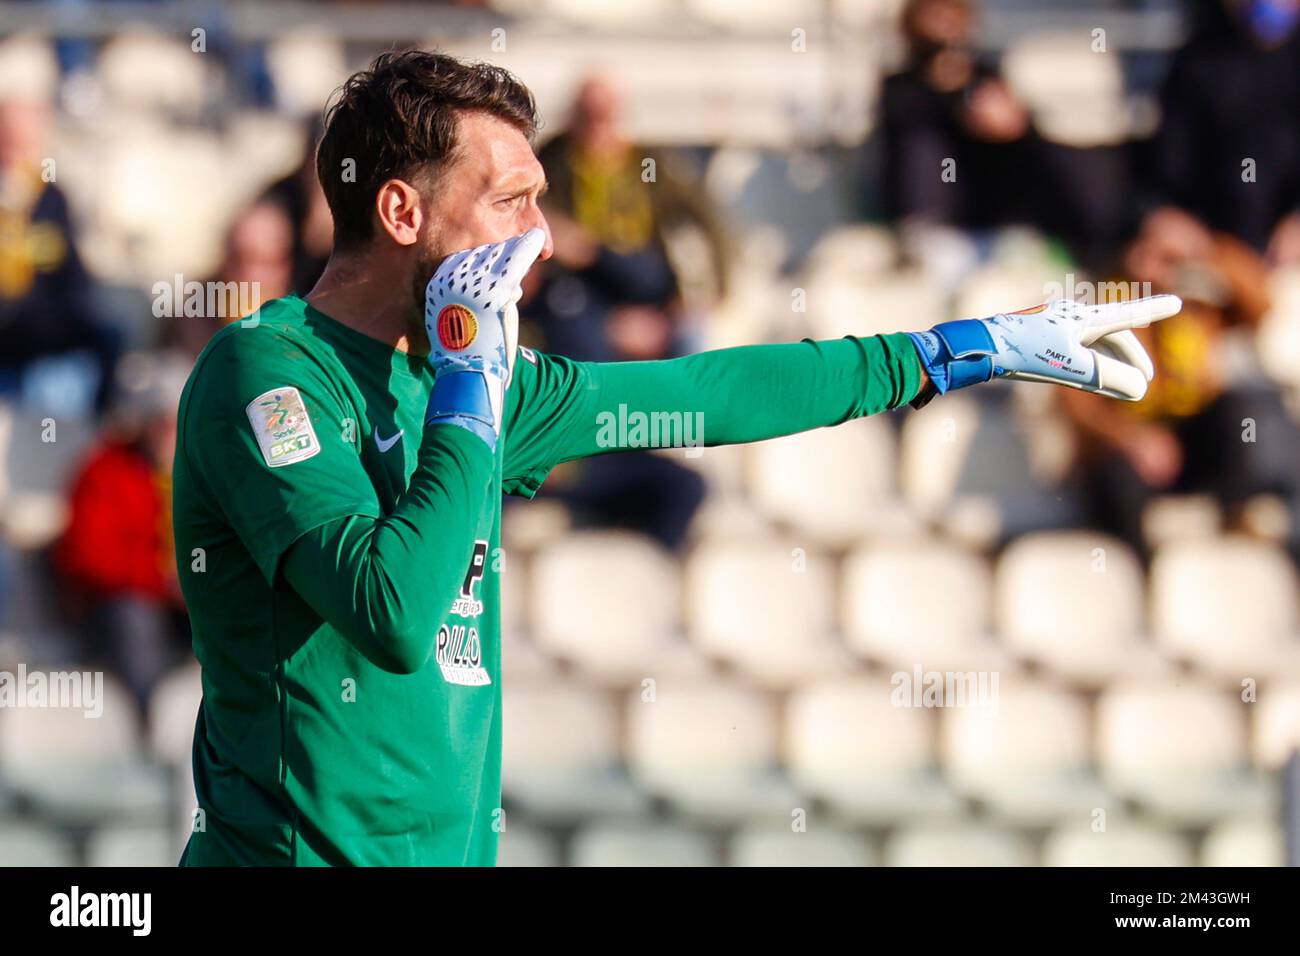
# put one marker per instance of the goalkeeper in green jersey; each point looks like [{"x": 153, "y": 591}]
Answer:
[{"x": 341, "y": 459}]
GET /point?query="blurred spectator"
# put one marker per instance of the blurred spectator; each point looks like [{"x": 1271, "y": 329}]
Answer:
[
  {"x": 303, "y": 201},
  {"x": 258, "y": 266},
  {"x": 116, "y": 558},
  {"x": 960, "y": 148},
  {"x": 1186, "y": 436},
  {"x": 616, "y": 290},
  {"x": 946, "y": 106},
  {"x": 47, "y": 299},
  {"x": 1232, "y": 97}
]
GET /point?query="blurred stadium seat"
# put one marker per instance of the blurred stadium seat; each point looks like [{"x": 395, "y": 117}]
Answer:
[
  {"x": 1028, "y": 758},
  {"x": 131, "y": 846},
  {"x": 933, "y": 449},
  {"x": 1276, "y": 726},
  {"x": 1178, "y": 749},
  {"x": 768, "y": 607},
  {"x": 782, "y": 846},
  {"x": 80, "y": 768},
  {"x": 957, "y": 846},
  {"x": 582, "y": 589},
  {"x": 561, "y": 758},
  {"x": 871, "y": 761},
  {"x": 1076, "y": 96},
  {"x": 1074, "y": 603},
  {"x": 306, "y": 66},
  {"x": 1244, "y": 841},
  {"x": 1120, "y": 844},
  {"x": 144, "y": 71},
  {"x": 173, "y": 709},
  {"x": 833, "y": 484},
  {"x": 1226, "y": 605},
  {"x": 24, "y": 843},
  {"x": 606, "y": 845},
  {"x": 919, "y": 601},
  {"x": 709, "y": 748},
  {"x": 522, "y": 846},
  {"x": 1279, "y": 334},
  {"x": 40, "y": 457}
]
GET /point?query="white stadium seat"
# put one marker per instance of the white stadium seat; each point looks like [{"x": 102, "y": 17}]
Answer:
[
  {"x": 640, "y": 845},
  {"x": 28, "y": 67},
  {"x": 1278, "y": 345},
  {"x": 919, "y": 601},
  {"x": 934, "y": 447},
  {"x": 709, "y": 748},
  {"x": 525, "y": 846},
  {"x": 873, "y": 762},
  {"x": 957, "y": 846},
  {"x": 306, "y": 66},
  {"x": 1075, "y": 95},
  {"x": 853, "y": 251},
  {"x": 831, "y": 484},
  {"x": 560, "y": 759},
  {"x": 1275, "y": 731},
  {"x": 763, "y": 16},
  {"x": 135, "y": 845},
  {"x": 24, "y": 843},
  {"x": 1073, "y": 602},
  {"x": 1244, "y": 841},
  {"x": 608, "y": 602},
  {"x": 815, "y": 846},
  {"x": 840, "y": 302},
  {"x": 1120, "y": 844},
  {"x": 1177, "y": 747},
  {"x": 173, "y": 709},
  {"x": 41, "y": 455},
  {"x": 768, "y": 607},
  {"x": 1027, "y": 757},
  {"x": 1227, "y": 605},
  {"x": 81, "y": 768},
  {"x": 145, "y": 70}
]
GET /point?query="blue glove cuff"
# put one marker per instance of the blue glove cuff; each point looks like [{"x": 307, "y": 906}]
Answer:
[
  {"x": 956, "y": 354},
  {"x": 485, "y": 432},
  {"x": 461, "y": 398}
]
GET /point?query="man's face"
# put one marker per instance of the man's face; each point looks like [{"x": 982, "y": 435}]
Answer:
[{"x": 488, "y": 194}]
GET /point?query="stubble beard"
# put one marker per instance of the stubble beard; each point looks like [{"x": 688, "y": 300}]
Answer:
[{"x": 426, "y": 264}]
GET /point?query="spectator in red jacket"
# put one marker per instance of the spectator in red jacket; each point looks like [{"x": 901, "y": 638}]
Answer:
[{"x": 116, "y": 555}]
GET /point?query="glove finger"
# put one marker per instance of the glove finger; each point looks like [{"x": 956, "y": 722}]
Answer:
[
  {"x": 517, "y": 257},
  {"x": 1119, "y": 379},
  {"x": 450, "y": 271},
  {"x": 1127, "y": 348},
  {"x": 1135, "y": 314}
]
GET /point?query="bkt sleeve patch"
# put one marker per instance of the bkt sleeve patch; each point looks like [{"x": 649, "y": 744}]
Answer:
[{"x": 282, "y": 426}]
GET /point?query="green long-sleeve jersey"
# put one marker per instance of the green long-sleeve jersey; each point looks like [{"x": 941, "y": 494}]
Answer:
[{"x": 340, "y": 563}]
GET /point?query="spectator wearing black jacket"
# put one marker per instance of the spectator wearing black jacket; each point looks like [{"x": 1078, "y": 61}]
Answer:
[{"x": 1227, "y": 154}]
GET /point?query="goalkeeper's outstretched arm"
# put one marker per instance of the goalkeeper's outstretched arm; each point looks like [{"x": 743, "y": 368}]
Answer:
[{"x": 561, "y": 409}]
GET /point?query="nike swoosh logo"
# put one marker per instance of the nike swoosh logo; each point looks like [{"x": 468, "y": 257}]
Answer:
[{"x": 385, "y": 444}]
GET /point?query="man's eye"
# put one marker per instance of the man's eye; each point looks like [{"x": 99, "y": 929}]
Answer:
[{"x": 509, "y": 201}]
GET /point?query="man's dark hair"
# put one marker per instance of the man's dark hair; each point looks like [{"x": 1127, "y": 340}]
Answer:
[{"x": 398, "y": 120}]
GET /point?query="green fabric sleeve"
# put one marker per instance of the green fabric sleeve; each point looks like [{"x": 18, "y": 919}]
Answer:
[
  {"x": 385, "y": 584},
  {"x": 563, "y": 410}
]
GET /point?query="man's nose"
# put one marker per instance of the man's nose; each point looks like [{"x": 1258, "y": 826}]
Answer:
[{"x": 538, "y": 221}]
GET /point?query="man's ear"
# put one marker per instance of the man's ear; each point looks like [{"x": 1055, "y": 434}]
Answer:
[{"x": 397, "y": 205}]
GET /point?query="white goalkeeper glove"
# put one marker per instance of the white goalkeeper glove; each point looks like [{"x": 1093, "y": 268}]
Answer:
[
  {"x": 1090, "y": 347},
  {"x": 471, "y": 317}
]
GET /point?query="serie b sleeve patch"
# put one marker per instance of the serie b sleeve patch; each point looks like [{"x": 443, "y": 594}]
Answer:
[{"x": 282, "y": 426}]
